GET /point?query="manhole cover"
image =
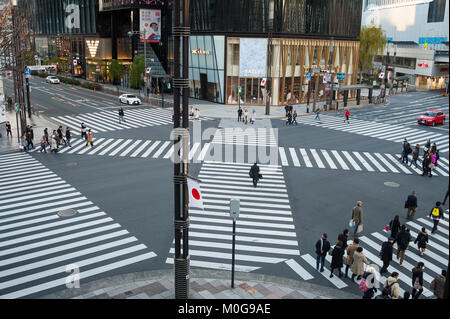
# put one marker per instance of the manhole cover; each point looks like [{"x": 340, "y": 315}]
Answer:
[
  {"x": 71, "y": 164},
  {"x": 67, "y": 212},
  {"x": 391, "y": 184}
]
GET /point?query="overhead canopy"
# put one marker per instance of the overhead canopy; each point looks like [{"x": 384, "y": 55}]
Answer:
[{"x": 354, "y": 87}]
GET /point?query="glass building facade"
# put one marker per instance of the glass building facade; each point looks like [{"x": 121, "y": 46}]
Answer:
[{"x": 301, "y": 40}]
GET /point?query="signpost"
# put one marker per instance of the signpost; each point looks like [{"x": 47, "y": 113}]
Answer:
[
  {"x": 234, "y": 213},
  {"x": 341, "y": 76},
  {"x": 239, "y": 89},
  {"x": 308, "y": 75}
]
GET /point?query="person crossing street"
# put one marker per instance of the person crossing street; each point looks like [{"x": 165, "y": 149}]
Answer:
[
  {"x": 406, "y": 150},
  {"x": 322, "y": 247},
  {"x": 317, "y": 113},
  {"x": 89, "y": 139},
  {"x": 436, "y": 214},
  {"x": 337, "y": 256},
  {"x": 357, "y": 218},
  {"x": 417, "y": 280},
  {"x": 83, "y": 131},
  {"x": 68, "y": 136},
  {"x": 421, "y": 241},
  {"x": 386, "y": 254},
  {"x": 254, "y": 174},
  {"x": 403, "y": 239},
  {"x": 8, "y": 129},
  {"x": 347, "y": 116},
  {"x": 121, "y": 115},
  {"x": 411, "y": 205},
  {"x": 415, "y": 155}
]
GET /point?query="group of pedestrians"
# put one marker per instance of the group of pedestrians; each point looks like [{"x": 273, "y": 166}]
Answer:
[
  {"x": 291, "y": 115},
  {"x": 243, "y": 115},
  {"x": 430, "y": 156},
  {"x": 356, "y": 260},
  {"x": 194, "y": 113},
  {"x": 26, "y": 142}
]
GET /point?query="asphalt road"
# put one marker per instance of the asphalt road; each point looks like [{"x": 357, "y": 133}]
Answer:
[{"x": 137, "y": 192}]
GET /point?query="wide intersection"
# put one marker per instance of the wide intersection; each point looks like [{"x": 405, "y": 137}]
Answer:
[{"x": 122, "y": 190}]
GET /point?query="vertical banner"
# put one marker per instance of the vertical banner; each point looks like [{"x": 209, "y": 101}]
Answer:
[
  {"x": 151, "y": 24},
  {"x": 253, "y": 58}
]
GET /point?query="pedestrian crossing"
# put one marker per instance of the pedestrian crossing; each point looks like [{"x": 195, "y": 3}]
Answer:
[
  {"x": 435, "y": 258},
  {"x": 108, "y": 121},
  {"x": 398, "y": 112},
  {"x": 287, "y": 156},
  {"x": 265, "y": 231},
  {"x": 260, "y": 136},
  {"x": 37, "y": 246},
  {"x": 387, "y": 132}
]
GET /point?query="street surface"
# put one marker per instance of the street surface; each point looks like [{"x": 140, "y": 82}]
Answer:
[{"x": 123, "y": 191}]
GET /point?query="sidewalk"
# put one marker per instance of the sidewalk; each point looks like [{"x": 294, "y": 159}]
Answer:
[
  {"x": 204, "y": 284},
  {"x": 8, "y": 144}
]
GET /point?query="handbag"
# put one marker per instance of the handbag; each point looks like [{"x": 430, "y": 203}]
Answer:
[
  {"x": 360, "y": 228},
  {"x": 406, "y": 204},
  {"x": 417, "y": 284},
  {"x": 351, "y": 223},
  {"x": 386, "y": 228},
  {"x": 260, "y": 176}
]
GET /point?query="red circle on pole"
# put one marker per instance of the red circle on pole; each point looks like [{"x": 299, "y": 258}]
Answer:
[{"x": 195, "y": 194}]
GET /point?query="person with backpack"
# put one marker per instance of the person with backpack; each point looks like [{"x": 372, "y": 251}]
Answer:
[
  {"x": 415, "y": 155},
  {"x": 421, "y": 241},
  {"x": 359, "y": 259},
  {"x": 254, "y": 174},
  {"x": 394, "y": 226},
  {"x": 350, "y": 251},
  {"x": 336, "y": 260},
  {"x": 436, "y": 214},
  {"x": 386, "y": 254},
  {"x": 322, "y": 247},
  {"x": 406, "y": 151},
  {"x": 411, "y": 205},
  {"x": 391, "y": 287},
  {"x": 417, "y": 280},
  {"x": 403, "y": 240}
]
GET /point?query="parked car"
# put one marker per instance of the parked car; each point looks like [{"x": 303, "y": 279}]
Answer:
[
  {"x": 431, "y": 117},
  {"x": 52, "y": 79},
  {"x": 129, "y": 99}
]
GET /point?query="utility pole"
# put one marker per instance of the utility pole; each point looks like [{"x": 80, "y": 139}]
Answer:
[
  {"x": 386, "y": 76},
  {"x": 18, "y": 70},
  {"x": 181, "y": 30},
  {"x": 269, "y": 56},
  {"x": 331, "y": 72}
]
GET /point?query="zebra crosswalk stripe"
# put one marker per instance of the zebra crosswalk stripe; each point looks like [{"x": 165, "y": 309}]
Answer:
[
  {"x": 34, "y": 241},
  {"x": 294, "y": 157},
  {"x": 117, "y": 150},
  {"x": 352, "y": 161}
]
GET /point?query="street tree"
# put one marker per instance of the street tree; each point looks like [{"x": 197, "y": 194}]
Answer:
[
  {"x": 372, "y": 43},
  {"x": 137, "y": 68},
  {"x": 116, "y": 72}
]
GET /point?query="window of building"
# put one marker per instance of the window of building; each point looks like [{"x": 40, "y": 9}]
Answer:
[{"x": 436, "y": 11}]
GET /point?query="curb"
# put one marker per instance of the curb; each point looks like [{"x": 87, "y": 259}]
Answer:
[{"x": 157, "y": 275}]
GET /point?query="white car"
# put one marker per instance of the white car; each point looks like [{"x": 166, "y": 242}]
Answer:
[
  {"x": 129, "y": 99},
  {"x": 52, "y": 79}
]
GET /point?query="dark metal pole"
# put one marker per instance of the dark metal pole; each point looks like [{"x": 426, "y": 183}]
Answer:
[
  {"x": 181, "y": 86},
  {"x": 269, "y": 56},
  {"x": 232, "y": 253},
  {"x": 331, "y": 72},
  {"x": 27, "y": 81},
  {"x": 17, "y": 124}
]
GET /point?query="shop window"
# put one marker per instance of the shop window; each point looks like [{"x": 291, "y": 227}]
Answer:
[{"x": 436, "y": 11}]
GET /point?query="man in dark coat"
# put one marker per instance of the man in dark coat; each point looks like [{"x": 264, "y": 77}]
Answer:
[
  {"x": 343, "y": 237},
  {"x": 403, "y": 240},
  {"x": 417, "y": 280},
  {"x": 322, "y": 247},
  {"x": 411, "y": 205},
  {"x": 239, "y": 114},
  {"x": 386, "y": 254},
  {"x": 406, "y": 150},
  {"x": 9, "y": 133},
  {"x": 337, "y": 255},
  {"x": 425, "y": 163},
  {"x": 254, "y": 174}
]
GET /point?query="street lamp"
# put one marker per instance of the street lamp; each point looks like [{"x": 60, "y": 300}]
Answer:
[
  {"x": 269, "y": 55},
  {"x": 386, "y": 76},
  {"x": 331, "y": 71}
]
